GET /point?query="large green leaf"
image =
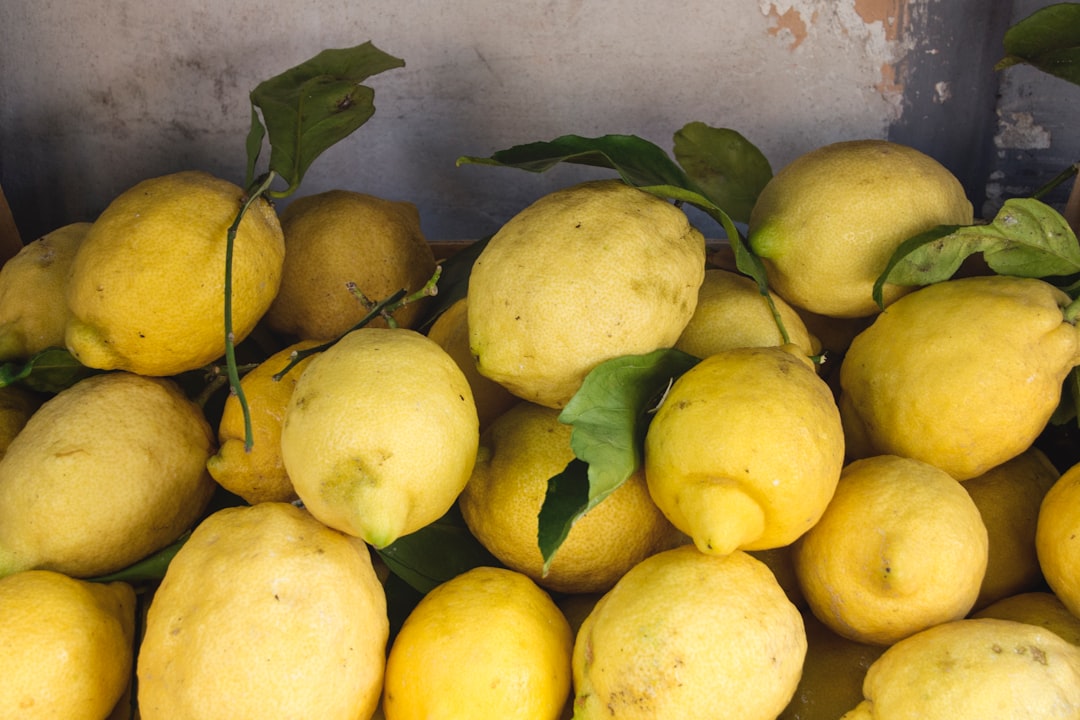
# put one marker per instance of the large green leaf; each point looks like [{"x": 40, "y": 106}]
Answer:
[
  {"x": 730, "y": 170},
  {"x": 312, "y": 106},
  {"x": 609, "y": 415},
  {"x": 49, "y": 371},
  {"x": 1048, "y": 39}
]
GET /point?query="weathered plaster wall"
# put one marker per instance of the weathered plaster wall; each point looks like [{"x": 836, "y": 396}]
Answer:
[{"x": 96, "y": 96}]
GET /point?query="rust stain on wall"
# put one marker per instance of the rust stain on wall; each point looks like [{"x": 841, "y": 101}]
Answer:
[
  {"x": 789, "y": 24},
  {"x": 894, "y": 15}
]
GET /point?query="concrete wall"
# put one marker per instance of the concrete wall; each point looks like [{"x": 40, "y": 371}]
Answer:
[{"x": 95, "y": 96}]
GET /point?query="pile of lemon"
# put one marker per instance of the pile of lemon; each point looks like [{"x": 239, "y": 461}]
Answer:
[{"x": 876, "y": 536}]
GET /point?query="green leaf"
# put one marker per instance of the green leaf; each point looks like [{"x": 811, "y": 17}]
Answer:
[
  {"x": 609, "y": 415},
  {"x": 312, "y": 106},
  {"x": 727, "y": 167},
  {"x": 50, "y": 371},
  {"x": 253, "y": 145},
  {"x": 1070, "y": 400},
  {"x": 435, "y": 553},
  {"x": 1027, "y": 238},
  {"x": 1048, "y": 39},
  {"x": 148, "y": 570},
  {"x": 454, "y": 282}
]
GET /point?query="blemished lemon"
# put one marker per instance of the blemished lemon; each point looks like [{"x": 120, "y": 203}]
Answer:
[
  {"x": 746, "y": 450},
  {"x": 519, "y": 453},
  {"x": 169, "y": 317},
  {"x": 451, "y": 331},
  {"x": 971, "y": 670},
  {"x": 731, "y": 313},
  {"x": 1057, "y": 538},
  {"x": 1036, "y": 608},
  {"x": 258, "y": 474},
  {"x": 66, "y": 646},
  {"x": 585, "y": 274},
  {"x": 688, "y": 635},
  {"x": 17, "y": 404},
  {"x": 828, "y": 222},
  {"x": 963, "y": 374},
  {"x": 33, "y": 312},
  {"x": 380, "y": 434},
  {"x": 900, "y": 548},
  {"x": 339, "y": 237},
  {"x": 105, "y": 473},
  {"x": 1008, "y": 498},
  {"x": 486, "y": 644},
  {"x": 265, "y": 612}
]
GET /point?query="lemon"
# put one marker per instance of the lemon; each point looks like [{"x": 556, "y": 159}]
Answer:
[
  {"x": 17, "y": 404},
  {"x": 488, "y": 643},
  {"x": 972, "y": 670},
  {"x": 746, "y": 450},
  {"x": 339, "y": 237},
  {"x": 33, "y": 312},
  {"x": 731, "y": 313},
  {"x": 781, "y": 561},
  {"x": 168, "y": 317},
  {"x": 265, "y": 612},
  {"x": 688, "y": 635},
  {"x": 519, "y": 453},
  {"x": 380, "y": 434},
  {"x": 900, "y": 548},
  {"x": 66, "y": 646},
  {"x": 832, "y": 676},
  {"x": 258, "y": 474},
  {"x": 1057, "y": 536},
  {"x": 585, "y": 274},
  {"x": 103, "y": 474},
  {"x": 1008, "y": 498},
  {"x": 963, "y": 374},
  {"x": 827, "y": 223},
  {"x": 1036, "y": 608},
  {"x": 451, "y": 331}
]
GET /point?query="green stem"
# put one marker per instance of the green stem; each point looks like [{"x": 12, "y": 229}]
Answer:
[
  {"x": 1072, "y": 312},
  {"x": 230, "y": 337},
  {"x": 1061, "y": 177}
]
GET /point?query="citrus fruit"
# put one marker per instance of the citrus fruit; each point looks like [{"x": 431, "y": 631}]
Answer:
[
  {"x": 66, "y": 645},
  {"x": 17, "y": 404},
  {"x": 874, "y": 567},
  {"x": 1057, "y": 537},
  {"x": 963, "y": 374},
  {"x": 1036, "y": 608},
  {"x": 974, "y": 669},
  {"x": 339, "y": 237},
  {"x": 746, "y": 449},
  {"x": 264, "y": 612},
  {"x": 33, "y": 312},
  {"x": 488, "y": 643},
  {"x": 585, "y": 274},
  {"x": 689, "y": 635},
  {"x": 519, "y": 452},
  {"x": 827, "y": 223},
  {"x": 105, "y": 473},
  {"x": 168, "y": 317},
  {"x": 380, "y": 434},
  {"x": 257, "y": 474}
]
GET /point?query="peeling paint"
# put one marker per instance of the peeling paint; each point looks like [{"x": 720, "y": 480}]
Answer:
[
  {"x": 1019, "y": 131},
  {"x": 894, "y": 15},
  {"x": 942, "y": 92},
  {"x": 789, "y": 26}
]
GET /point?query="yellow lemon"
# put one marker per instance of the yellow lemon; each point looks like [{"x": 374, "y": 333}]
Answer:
[
  {"x": 519, "y": 453},
  {"x": 828, "y": 222},
  {"x": 1057, "y": 538},
  {"x": 258, "y": 474},
  {"x": 33, "y": 312},
  {"x": 488, "y": 643},
  {"x": 963, "y": 374},
  {"x": 168, "y": 317},
  {"x": 781, "y": 561},
  {"x": 746, "y": 449},
  {"x": 1008, "y": 498},
  {"x": 380, "y": 434},
  {"x": 731, "y": 313},
  {"x": 451, "y": 331},
  {"x": 1036, "y": 608},
  {"x": 689, "y": 635},
  {"x": 17, "y": 404},
  {"x": 900, "y": 548},
  {"x": 102, "y": 475},
  {"x": 339, "y": 237},
  {"x": 66, "y": 646},
  {"x": 265, "y": 612},
  {"x": 972, "y": 670},
  {"x": 584, "y": 274}
]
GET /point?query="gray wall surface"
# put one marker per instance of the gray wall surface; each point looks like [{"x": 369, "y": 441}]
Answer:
[{"x": 95, "y": 96}]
